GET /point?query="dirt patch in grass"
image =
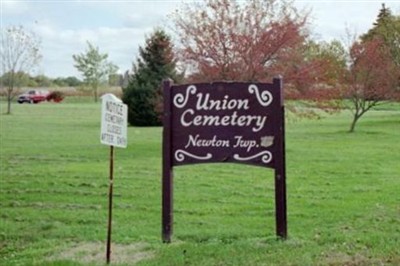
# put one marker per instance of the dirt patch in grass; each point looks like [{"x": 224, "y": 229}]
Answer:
[
  {"x": 95, "y": 253},
  {"x": 343, "y": 259}
]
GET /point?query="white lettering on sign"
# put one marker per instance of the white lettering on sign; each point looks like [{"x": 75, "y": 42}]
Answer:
[
  {"x": 237, "y": 142},
  {"x": 214, "y": 142},
  {"x": 113, "y": 122},
  {"x": 203, "y": 102},
  {"x": 257, "y": 122},
  {"x": 224, "y": 104}
]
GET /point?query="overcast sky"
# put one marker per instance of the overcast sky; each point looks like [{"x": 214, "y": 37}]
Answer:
[{"x": 119, "y": 27}]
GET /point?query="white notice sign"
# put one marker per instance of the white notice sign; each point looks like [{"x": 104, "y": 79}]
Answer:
[{"x": 114, "y": 115}]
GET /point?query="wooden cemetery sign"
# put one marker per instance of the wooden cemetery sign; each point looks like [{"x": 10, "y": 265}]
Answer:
[{"x": 224, "y": 122}]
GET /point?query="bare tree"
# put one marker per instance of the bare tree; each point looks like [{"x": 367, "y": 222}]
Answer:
[{"x": 19, "y": 54}]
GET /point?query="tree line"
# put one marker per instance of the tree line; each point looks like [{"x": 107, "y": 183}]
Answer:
[
  {"x": 27, "y": 80},
  {"x": 255, "y": 41}
]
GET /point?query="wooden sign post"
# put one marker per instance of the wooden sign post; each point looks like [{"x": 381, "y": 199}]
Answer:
[
  {"x": 113, "y": 133},
  {"x": 224, "y": 122}
]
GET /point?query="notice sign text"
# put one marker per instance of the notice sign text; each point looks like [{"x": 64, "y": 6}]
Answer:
[{"x": 113, "y": 121}]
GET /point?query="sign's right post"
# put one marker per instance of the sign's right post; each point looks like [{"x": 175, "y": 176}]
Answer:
[{"x": 280, "y": 170}]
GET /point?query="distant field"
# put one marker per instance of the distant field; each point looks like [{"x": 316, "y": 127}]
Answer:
[{"x": 343, "y": 195}]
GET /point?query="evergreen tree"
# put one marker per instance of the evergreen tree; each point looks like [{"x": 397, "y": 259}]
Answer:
[
  {"x": 384, "y": 16},
  {"x": 142, "y": 95},
  {"x": 386, "y": 28}
]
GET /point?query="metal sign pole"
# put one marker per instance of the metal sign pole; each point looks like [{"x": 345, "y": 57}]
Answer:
[
  {"x": 110, "y": 196},
  {"x": 114, "y": 114}
]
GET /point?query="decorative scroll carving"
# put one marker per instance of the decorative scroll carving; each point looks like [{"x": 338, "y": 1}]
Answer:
[
  {"x": 265, "y": 98},
  {"x": 181, "y": 100},
  {"x": 266, "y": 157},
  {"x": 180, "y": 156}
]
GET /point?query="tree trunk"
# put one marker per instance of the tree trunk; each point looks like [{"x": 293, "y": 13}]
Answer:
[
  {"x": 8, "y": 105},
  {"x": 9, "y": 97},
  {"x": 353, "y": 123},
  {"x": 95, "y": 94}
]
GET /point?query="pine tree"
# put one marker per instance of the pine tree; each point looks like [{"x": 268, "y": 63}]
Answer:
[
  {"x": 143, "y": 92},
  {"x": 384, "y": 16},
  {"x": 380, "y": 26},
  {"x": 387, "y": 28}
]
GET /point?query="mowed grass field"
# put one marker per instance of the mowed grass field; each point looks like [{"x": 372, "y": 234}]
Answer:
[{"x": 343, "y": 195}]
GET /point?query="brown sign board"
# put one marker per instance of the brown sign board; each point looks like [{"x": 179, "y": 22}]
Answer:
[{"x": 224, "y": 122}]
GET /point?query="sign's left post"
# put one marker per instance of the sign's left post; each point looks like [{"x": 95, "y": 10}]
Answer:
[
  {"x": 167, "y": 170},
  {"x": 114, "y": 114}
]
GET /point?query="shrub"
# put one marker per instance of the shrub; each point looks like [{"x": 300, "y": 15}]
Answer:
[{"x": 56, "y": 96}]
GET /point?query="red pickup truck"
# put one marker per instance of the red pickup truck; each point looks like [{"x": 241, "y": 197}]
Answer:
[{"x": 33, "y": 96}]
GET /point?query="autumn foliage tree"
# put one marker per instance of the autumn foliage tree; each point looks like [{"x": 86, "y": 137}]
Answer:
[
  {"x": 372, "y": 77},
  {"x": 225, "y": 40},
  {"x": 313, "y": 71},
  {"x": 387, "y": 28},
  {"x": 252, "y": 41},
  {"x": 374, "y": 67}
]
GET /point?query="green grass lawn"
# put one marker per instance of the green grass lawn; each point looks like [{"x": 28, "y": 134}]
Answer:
[{"x": 343, "y": 195}]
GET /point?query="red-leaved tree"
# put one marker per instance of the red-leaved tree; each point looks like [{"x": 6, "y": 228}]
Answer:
[
  {"x": 250, "y": 41},
  {"x": 371, "y": 79},
  {"x": 226, "y": 40},
  {"x": 312, "y": 71}
]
